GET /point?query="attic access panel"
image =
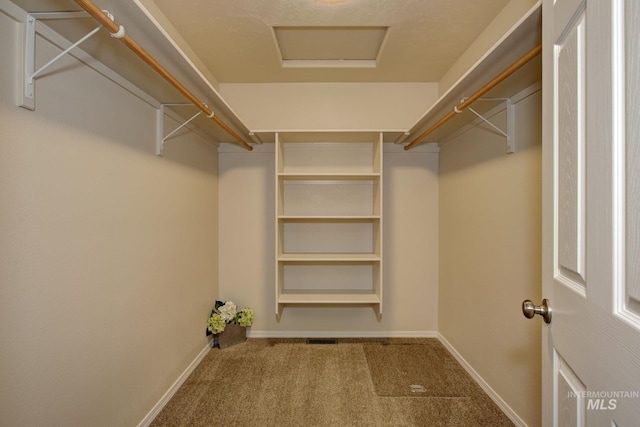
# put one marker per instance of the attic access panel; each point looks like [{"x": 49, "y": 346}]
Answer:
[{"x": 317, "y": 47}]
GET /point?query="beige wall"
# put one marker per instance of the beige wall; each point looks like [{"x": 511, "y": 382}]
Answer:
[
  {"x": 108, "y": 253},
  {"x": 490, "y": 255},
  {"x": 330, "y": 106},
  {"x": 247, "y": 249}
]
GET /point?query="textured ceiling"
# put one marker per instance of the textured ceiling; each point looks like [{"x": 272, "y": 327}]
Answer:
[
  {"x": 235, "y": 39},
  {"x": 328, "y": 43}
]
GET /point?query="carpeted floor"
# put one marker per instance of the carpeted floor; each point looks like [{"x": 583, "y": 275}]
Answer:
[{"x": 356, "y": 382}]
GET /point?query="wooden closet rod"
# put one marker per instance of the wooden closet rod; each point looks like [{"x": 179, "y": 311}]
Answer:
[
  {"x": 115, "y": 30},
  {"x": 484, "y": 89}
]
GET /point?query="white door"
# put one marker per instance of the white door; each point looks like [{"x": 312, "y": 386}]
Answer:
[{"x": 591, "y": 212}]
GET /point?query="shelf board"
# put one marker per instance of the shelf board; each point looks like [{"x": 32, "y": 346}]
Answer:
[
  {"x": 289, "y": 137},
  {"x": 329, "y": 257},
  {"x": 329, "y": 218},
  {"x": 366, "y": 176},
  {"x": 337, "y": 297},
  {"x": 521, "y": 38}
]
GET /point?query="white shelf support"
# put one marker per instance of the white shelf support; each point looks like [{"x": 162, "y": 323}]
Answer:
[
  {"x": 402, "y": 138},
  {"x": 30, "y": 74},
  {"x": 255, "y": 138},
  {"x": 510, "y": 132},
  {"x": 160, "y": 137}
]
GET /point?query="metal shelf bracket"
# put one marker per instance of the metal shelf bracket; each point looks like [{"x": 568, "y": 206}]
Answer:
[
  {"x": 160, "y": 137},
  {"x": 510, "y": 132},
  {"x": 30, "y": 73}
]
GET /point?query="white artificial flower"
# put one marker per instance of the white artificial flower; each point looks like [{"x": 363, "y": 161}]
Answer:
[{"x": 228, "y": 311}]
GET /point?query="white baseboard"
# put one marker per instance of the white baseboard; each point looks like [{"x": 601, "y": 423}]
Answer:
[
  {"x": 146, "y": 421},
  {"x": 483, "y": 384},
  {"x": 342, "y": 334}
]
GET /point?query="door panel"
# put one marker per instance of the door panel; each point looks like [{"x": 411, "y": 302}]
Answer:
[
  {"x": 591, "y": 212},
  {"x": 630, "y": 288},
  {"x": 571, "y": 405},
  {"x": 571, "y": 173}
]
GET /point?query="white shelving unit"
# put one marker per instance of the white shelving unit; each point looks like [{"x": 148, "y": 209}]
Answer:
[{"x": 329, "y": 219}]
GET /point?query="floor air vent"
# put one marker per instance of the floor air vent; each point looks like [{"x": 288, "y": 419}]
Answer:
[
  {"x": 322, "y": 341},
  {"x": 417, "y": 388}
]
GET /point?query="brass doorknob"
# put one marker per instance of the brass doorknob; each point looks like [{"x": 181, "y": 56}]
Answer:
[{"x": 529, "y": 310}]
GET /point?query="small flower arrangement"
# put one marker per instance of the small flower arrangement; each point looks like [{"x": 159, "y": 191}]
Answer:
[{"x": 226, "y": 313}]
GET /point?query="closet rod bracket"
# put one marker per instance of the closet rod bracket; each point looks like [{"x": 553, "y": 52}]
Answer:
[
  {"x": 509, "y": 134},
  {"x": 30, "y": 73},
  {"x": 160, "y": 136}
]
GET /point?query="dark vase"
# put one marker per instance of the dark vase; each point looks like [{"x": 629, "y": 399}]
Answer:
[{"x": 233, "y": 334}]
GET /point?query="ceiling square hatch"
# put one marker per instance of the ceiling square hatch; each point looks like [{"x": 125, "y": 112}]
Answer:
[{"x": 329, "y": 47}]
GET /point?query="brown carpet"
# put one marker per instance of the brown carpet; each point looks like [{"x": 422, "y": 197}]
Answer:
[
  {"x": 357, "y": 382},
  {"x": 428, "y": 367}
]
